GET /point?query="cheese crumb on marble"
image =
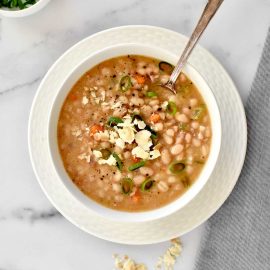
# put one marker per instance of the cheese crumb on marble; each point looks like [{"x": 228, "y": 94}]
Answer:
[
  {"x": 126, "y": 263},
  {"x": 169, "y": 258}
]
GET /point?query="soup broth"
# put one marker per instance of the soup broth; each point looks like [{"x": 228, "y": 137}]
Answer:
[{"x": 128, "y": 143}]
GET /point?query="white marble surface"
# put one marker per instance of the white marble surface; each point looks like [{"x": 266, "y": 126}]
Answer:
[{"x": 33, "y": 236}]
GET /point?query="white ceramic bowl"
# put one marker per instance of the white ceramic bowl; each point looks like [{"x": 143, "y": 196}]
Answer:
[
  {"x": 72, "y": 78},
  {"x": 4, "y": 12}
]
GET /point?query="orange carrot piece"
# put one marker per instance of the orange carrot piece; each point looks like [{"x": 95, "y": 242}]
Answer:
[
  {"x": 136, "y": 197},
  {"x": 155, "y": 117},
  {"x": 139, "y": 78},
  {"x": 96, "y": 128},
  {"x": 136, "y": 159},
  {"x": 73, "y": 97}
]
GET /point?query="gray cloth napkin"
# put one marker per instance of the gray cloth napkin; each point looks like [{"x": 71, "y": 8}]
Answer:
[{"x": 238, "y": 235}]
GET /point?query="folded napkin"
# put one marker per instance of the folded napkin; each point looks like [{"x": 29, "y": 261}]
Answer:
[{"x": 238, "y": 235}]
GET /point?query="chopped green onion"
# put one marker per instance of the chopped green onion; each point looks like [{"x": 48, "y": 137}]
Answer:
[
  {"x": 166, "y": 67},
  {"x": 183, "y": 89},
  {"x": 21, "y": 4},
  {"x": 127, "y": 185},
  {"x": 183, "y": 126},
  {"x": 153, "y": 132},
  {"x": 136, "y": 166},
  {"x": 198, "y": 112},
  {"x": 136, "y": 116},
  {"x": 125, "y": 83},
  {"x": 119, "y": 163},
  {"x": 199, "y": 162},
  {"x": 147, "y": 184},
  {"x": 113, "y": 121},
  {"x": 151, "y": 94},
  {"x": 171, "y": 108},
  {"x": 105, "y": 153},
  {"x": 186, "y": 182},
  {"x": 177, "y": 167}
]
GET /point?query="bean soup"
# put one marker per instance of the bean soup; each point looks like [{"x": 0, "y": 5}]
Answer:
[{"x": 128, "y": 143}]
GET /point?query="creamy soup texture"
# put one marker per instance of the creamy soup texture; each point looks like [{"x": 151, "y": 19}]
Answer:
[{"x": 128, "y": 143}]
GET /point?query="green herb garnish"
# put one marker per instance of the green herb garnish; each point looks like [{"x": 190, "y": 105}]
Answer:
[
  {"x": 147, "y": 184},
  {"x": 177, "y": 167},
  {"x": 136, "y": 166},
  {"x": 125, "y": 83},
  {"x": 127, "y": 185},
  {"x": 113, "y": 121},
  {"x": 21, "y": 4},
  {"x": 105, "y": 153},
  {"x": 119, "y": 163},
  {"x": 151, "y": 94},
  {"x": 183, "y": 126},
  {"x": 198, "y": 112},
  {"x": 171, "y": 108},
  {"x": 166, "y": 67}
]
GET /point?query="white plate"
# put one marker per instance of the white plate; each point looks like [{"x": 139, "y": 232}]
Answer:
[{"x": 218, "y": 187}]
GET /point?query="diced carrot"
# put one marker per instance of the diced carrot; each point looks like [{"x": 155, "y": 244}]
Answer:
[
  {"x": 136, "y": 159},
  {"x": 96, "y": 128},
  {"x": 155, "y": 117},
  {"x": 136, "y": 197},
  {"x": 73, "y": 97},
  {"x": 139, "y": 78}
]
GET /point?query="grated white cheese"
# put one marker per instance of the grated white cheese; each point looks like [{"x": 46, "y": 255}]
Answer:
[
  {"x": 126, "y": 133},
  {"x": 84, "y": 156},
  {"x": 97, "y": 154},
  {"x": 164, "y": 105},
  {"x": 140, "y": 123},
  {"x": 154, "y": 154},
  {"x": 120, "y": 143},
  {"x": 113, "y": 135},
  {"x": 142, "y": 138},
  {"x": 110, "y": 161},
  {"x": 85, "y": 100},
  {"x": 140, "y": 152},
  {"x": 116, "y": 105}
]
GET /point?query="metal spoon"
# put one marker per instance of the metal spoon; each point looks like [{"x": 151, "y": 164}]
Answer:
[{"x": 208, "y": 13}]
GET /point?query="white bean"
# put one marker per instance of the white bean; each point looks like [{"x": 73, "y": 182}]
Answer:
[
  {"x": 153, "y": 102},
  {"x": 196, "y": 142},
  {"x": 158, "y": 126},
  {"x": 118, "y": 198},
  {"x": 193, "y": 102},
  {"x": 138, "y": 179},
  {"x": 117, "y": 176},
  {"x": 194, "y": 124},
  {"x": 168, "y": 139},
  {"x": 172, "y": 179},
  {"x": 200, "y": 136},
  {"x": 189, "y": 169},
  {"x": 177, "y": 149},
  {"x": 186, "y": 111},
  {"x": 205, "y": 150},
  {"x": 181, "y": 117},
  {"x": 116, "y": 187},
  {"x": 162, "y": 186},
  {"x": 188, "y": 138},
  {"x": 170, "y": 132},
  {"x": 146, "y": 171},
  {"x": 165, "y": 156}
]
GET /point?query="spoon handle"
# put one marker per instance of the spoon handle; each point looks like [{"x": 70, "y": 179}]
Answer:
[{"x": 208, "y": 13}]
